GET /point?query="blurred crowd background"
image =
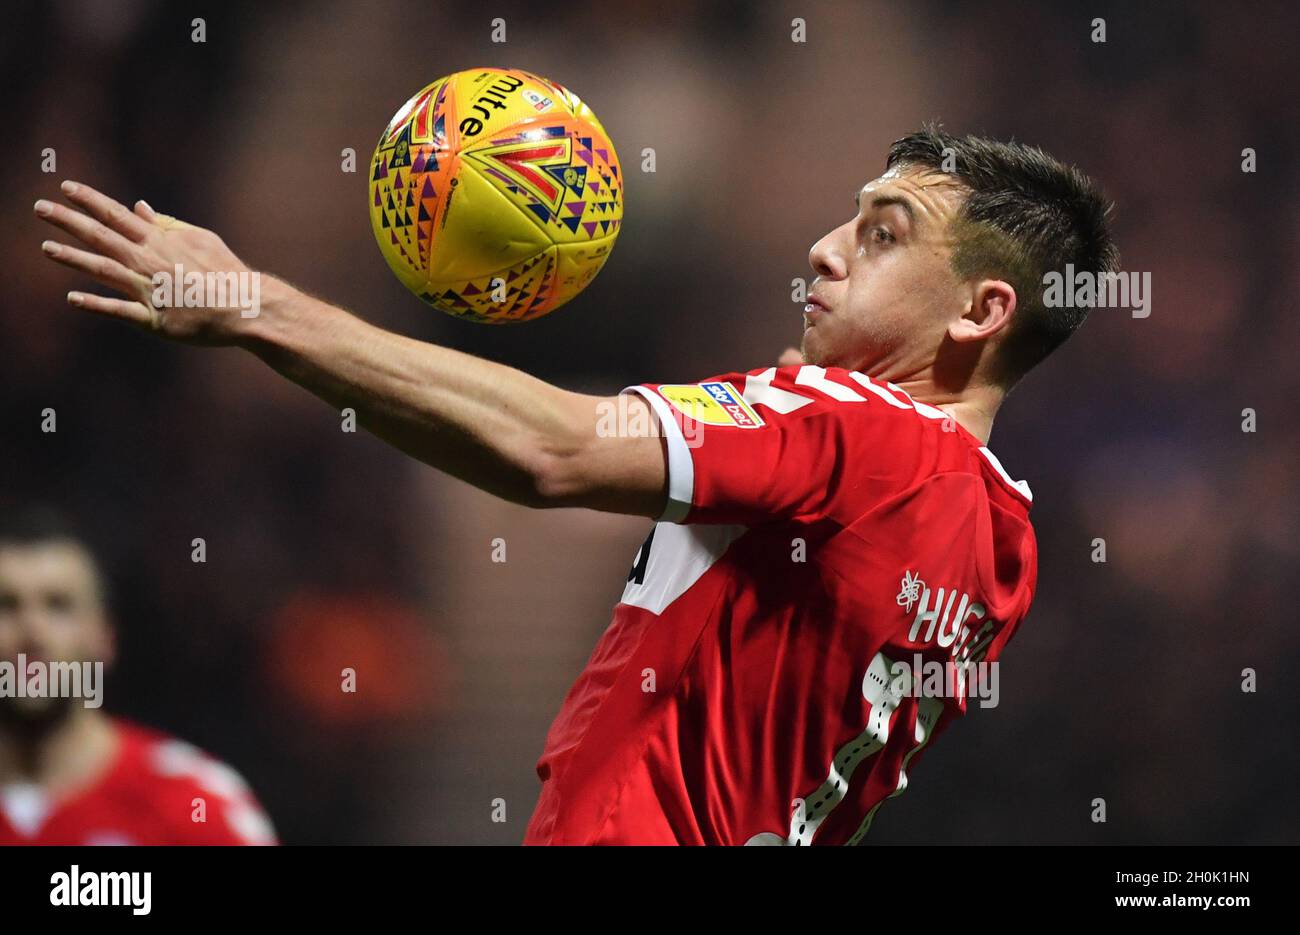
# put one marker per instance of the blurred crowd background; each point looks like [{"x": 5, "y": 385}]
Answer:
[{"x": 328, "y": 549}]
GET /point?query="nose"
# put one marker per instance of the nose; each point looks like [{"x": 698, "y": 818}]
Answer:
[{"x": 826, "y": 259}]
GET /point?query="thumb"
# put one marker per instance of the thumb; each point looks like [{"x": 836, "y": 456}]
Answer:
[{"x": 790, "y": 357}]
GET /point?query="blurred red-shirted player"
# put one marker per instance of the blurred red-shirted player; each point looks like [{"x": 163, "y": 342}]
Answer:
[{"x": 69, "y": 773}]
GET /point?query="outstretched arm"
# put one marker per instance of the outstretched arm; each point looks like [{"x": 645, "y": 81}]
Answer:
[{"x": 490, "y": 425}]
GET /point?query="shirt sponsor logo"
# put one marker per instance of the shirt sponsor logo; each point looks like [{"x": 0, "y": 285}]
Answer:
[{"x": 712, "y": 404}]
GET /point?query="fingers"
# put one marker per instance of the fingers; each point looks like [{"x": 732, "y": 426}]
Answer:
[
  {"x": 108, "y": 212},
  {"x": 112, "y": 232},
  {"x": 92, "y": 233},
  {"x": 105, "y": 269},
  {"x": 137, "y": 313}
]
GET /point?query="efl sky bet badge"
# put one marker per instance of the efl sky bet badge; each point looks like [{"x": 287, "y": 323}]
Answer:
[{"x": 712, "y": 404}]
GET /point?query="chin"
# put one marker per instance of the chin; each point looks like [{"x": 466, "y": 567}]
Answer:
[
  {"x": 35, "y": 716},
  {"x": 812, "y": 353},
  {"x": 819, "y": 357}
]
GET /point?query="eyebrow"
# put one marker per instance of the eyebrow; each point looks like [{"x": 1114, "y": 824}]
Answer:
[{"x": 885, "y": 201}]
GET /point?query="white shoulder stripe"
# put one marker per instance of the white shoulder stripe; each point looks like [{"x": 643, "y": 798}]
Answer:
[
  {"x": 884, "y": 394},
  {"x": 1020, "y": 485},
  {"x": 925, "y": 409},
  {"x": 759, "y": 389},
  {"x": 815, "y": 378}
]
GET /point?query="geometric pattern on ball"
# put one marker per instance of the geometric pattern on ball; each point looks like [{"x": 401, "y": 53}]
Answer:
[{"x": 495, "y": 195}]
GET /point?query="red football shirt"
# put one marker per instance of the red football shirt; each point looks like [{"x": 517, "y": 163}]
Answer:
[
  {"x": 826, "y": 538},
  {"x": 155, "y": 791}
]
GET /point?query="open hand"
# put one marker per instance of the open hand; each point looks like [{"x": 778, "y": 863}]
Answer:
[{"x": 139, "y": 253}]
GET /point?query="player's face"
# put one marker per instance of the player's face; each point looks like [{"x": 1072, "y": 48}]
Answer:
[
  {"x": 885, "y": 291},
  {"x": 51, "y": 611}
]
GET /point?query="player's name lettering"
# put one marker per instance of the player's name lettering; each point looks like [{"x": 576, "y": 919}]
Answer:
[
  {"x": 930, "y": 678},
  {"x": 104, "y": 888},
  {"x": 494, "y": 97},
  {"x": 934, "y": 612},
  {"x": 54, "y": 679}
]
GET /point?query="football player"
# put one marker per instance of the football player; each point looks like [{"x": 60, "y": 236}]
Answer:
[
  {"x": 69, "y": 772},
  {"x": 827, "y": 533}
]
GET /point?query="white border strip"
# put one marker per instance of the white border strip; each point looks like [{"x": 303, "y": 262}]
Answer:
[
  {"x": 681, "y": 469},
  {"x": 997, "y": 466}
]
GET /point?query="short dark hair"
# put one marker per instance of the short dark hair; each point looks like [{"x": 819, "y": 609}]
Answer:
[
  {"x": 39, "y": 524},
  {"x": 1026, "y": 214}
]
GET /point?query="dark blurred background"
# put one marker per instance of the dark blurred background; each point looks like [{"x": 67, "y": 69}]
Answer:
[{"x": 328, "y": 549}]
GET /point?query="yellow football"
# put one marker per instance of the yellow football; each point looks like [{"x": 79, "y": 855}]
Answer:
[{"x": 495, "y": 195}]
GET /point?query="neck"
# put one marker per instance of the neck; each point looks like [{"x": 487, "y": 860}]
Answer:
[
  {"x": 63, "y": 755},
  {"x": 972, "y": 407}
]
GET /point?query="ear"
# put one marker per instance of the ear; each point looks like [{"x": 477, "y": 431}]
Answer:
[{"x": 992, "y": 304}]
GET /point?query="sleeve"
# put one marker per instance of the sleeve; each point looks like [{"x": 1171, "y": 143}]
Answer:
[
  {"x": 210, "y": 803},
  {"x": 231, "y": 821},
  {"x": 794, "y": 443}
]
